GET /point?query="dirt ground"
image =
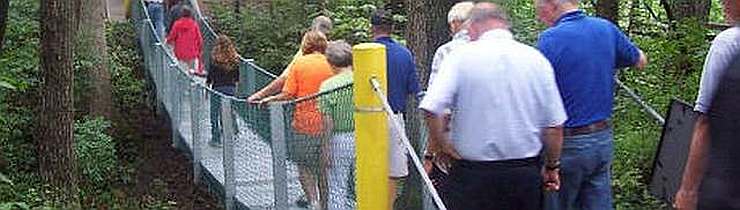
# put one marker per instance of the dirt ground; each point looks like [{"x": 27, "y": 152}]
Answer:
[{"x": 161, "y": 173}]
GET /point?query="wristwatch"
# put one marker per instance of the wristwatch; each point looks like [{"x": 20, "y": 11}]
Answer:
[{"x": 552, "y": 165}]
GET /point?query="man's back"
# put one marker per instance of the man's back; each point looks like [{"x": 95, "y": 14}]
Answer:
[
  {"x": 504, "y": 94},
  {"x": 402, "y": 79},
  {"x": 585, "y": 51}
]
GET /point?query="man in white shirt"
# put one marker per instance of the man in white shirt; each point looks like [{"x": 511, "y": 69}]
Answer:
[
  {"x": 456, "y": 18},
  {"x": 507, "y": 105},
  {"x": 724, "y": 49}
]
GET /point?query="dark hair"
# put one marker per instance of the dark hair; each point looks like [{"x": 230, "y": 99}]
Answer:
[
  {"x": 382, "y": 18},
  {"x": 186, "y": 12}
]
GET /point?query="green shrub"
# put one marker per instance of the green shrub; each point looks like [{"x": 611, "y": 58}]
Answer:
[
  {"x": 96, "y": 152},
  {"x": 125, "y": 66}
]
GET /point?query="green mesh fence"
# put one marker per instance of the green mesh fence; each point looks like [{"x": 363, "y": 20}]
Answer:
[{"x": 260, "y": 157}]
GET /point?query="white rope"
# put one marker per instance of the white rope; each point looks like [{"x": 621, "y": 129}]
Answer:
[{"x": 404, "y": 139}]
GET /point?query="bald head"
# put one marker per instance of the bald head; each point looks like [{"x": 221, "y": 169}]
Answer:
[{"x": 487, "y": 16}]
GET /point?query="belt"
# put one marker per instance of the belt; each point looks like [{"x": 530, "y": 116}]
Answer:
[
  {"x": 512, "y": 163},
  {"x": 154, "y": 2},
  {"x": 587, "y": 129}
]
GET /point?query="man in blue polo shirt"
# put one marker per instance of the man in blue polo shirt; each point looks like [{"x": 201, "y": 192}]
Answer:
[
  {"x": 585, "y": 51},
  {"x": 402, "y": 83}
]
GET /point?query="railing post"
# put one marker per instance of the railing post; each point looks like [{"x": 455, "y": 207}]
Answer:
[
  {"x": 279, "y": 156},
  {"x": 195, "y": 120},
  {"x": 228, "y": 127},
  {"x": 372, "y": 136}
]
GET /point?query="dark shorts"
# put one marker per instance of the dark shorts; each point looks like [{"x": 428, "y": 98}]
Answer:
[
  {"x": 510, "y": 184},
  {"x": 305, "y": 151}
]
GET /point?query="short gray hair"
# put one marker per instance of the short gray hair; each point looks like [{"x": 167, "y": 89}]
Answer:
[
  {"x": 322, "y": 24},
  {"x": 485, "y": 11},
  {"x": 339, "y": 54},
  {"x": 460, "y": 12}
]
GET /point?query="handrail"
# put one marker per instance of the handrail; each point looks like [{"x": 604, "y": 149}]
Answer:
[{"x": 644, "y": 105}]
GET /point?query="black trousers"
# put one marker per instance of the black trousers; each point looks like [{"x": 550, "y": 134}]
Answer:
[{"x": 493, "y": 185}]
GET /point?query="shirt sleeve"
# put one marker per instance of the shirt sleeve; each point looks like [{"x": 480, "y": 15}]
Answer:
[
  {"x": 413, "y": 78},
  {"x": 718, "y": 59},
  {"x": 549, "y": 99},
  {"x": 325, "y": 104},
  {"x": 291, "y": 81},
  {"x": 545, "y": 43},
  {"x": 441, "y": 95},
  {"x": 173, "y": 33},
  {"x": 436, "y": 62},
  {"x": 627, "y": 52}
]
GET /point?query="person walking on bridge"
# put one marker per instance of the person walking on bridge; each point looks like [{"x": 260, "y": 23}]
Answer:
[
  {"x": 585, "y": 51},
  {"x": 223, "y": 77},
  {"x": 338, "y": 108},
  {"x": 304, "y": 79},
  {"x": 320, "y": 24},
  {"x": 187, "y": 40},
  {"x": 716, "y": 191},
  {"x": 508, "y": 111},
  {"x": 402, "y": 83},
  {"x": 457, "y": 18}
]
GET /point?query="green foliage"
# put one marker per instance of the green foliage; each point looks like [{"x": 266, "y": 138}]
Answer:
[
  {"x": 125, "y": 66},
  {"x": 96, "y": 152},
  {"x": 271, "y": 35}
]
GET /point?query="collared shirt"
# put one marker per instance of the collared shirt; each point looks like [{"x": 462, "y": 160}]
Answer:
[
  {"x": 459, "y": 39},
  {"x": 401, "y": 74},
  {"x": 338, "y": 104},
  {"x": 585, "y": 51},
  {"x": 504, "y": 93},
  {"x": 721, "y": 54}
]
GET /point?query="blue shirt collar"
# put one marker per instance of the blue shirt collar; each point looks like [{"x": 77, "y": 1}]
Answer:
[
  {"x": 385, "y": 39},
  {"x": 569, "y": 16}
]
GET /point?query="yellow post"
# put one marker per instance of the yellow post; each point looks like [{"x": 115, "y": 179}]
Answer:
[{"x": 371, "y": 128}]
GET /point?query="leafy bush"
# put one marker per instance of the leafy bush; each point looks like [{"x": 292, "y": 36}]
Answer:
[
  {"x": 125, "y": 66},
  {"x": 96, "y": 152}
]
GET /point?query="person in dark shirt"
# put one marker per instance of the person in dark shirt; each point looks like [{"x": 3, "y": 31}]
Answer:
[{"x": 223, "y": 77}]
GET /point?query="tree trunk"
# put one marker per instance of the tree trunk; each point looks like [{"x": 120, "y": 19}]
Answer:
[
  {"x": 679, "y": 10},
  {"x": 92, "y": 47},
  {"x": 426, "y": 30},
  {"x": 608, "y": 9},
  {"x": 55, "y": 143},
  {"x": 4, "y": 4}
]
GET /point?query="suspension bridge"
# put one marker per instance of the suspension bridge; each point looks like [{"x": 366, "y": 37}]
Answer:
[{"x": 251, "y": 168}]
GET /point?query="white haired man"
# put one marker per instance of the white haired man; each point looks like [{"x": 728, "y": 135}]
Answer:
[
  {"x": 585, "y": 51},
  {"x": 698, "y": 175},
  {"x": 456, "y": 19},
  {"x": 508, "y": 112}
]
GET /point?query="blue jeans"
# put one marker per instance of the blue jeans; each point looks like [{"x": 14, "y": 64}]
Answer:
[
  {"x": 585, "y": 174},
  {"x": 156, "y": 13},
  {"x": 216, "y": 112}
]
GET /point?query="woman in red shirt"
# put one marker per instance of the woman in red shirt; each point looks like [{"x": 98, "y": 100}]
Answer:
[{"x": 188, "y": 43}]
